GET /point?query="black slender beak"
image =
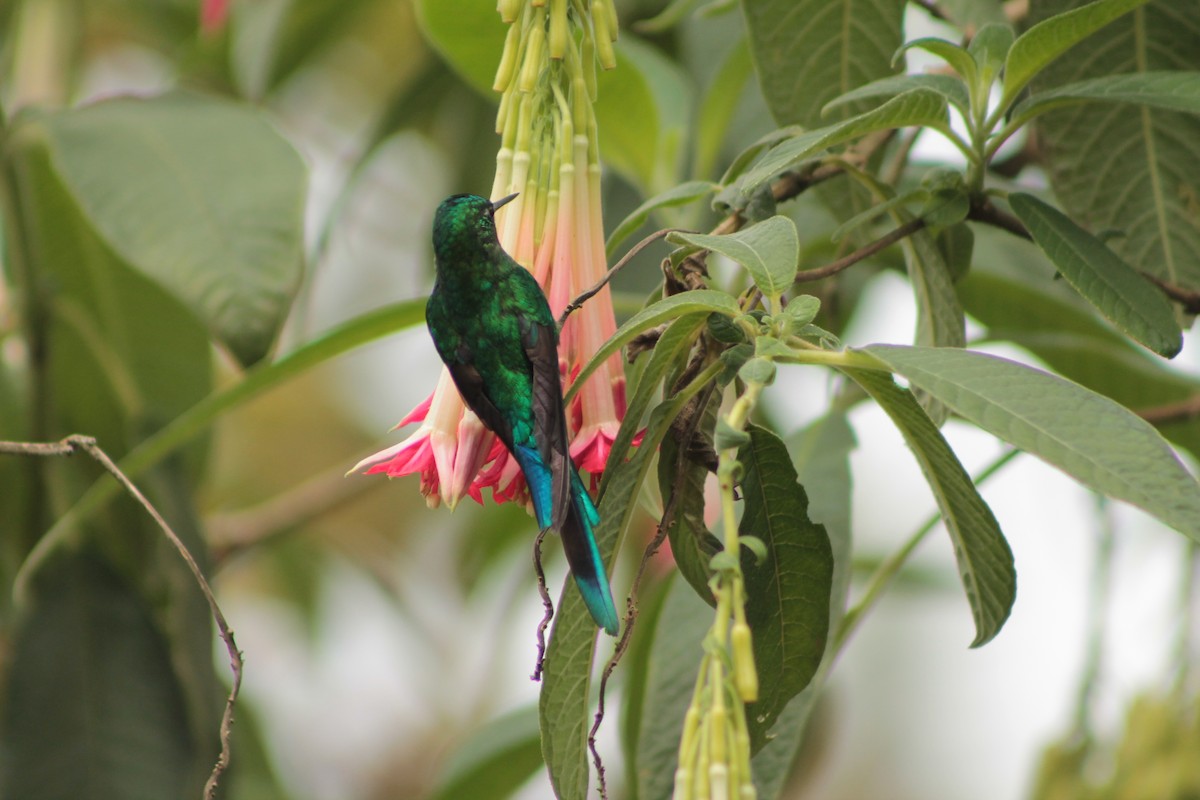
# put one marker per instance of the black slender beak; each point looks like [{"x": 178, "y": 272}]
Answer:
[{"x": 496, "y": 205}]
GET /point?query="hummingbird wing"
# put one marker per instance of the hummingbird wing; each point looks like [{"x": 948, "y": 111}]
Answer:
[{"x": 549, "y": 420}]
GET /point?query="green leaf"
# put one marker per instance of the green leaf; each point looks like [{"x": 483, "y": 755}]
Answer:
[
  {"x": 787, "y": 596},
  {"x": 769, "y": 250},
  {"x": 1123, "y": 296},
  {"x": 948, "y": 86},
  {"x": 670, "y": 352},
  {"x": 988, "y": 47},
  {"x": 726, "y": 437},
  {"x": 1057, "y": 421},
  {"x": 1049, "y": 39},
  {"x": 758, "y": 370},
  {"x": 677, "y": 305},
  {"x": 953, "y": 54},
  {"x": 1010, "y": 292},
  {"x": 672, "y": 667},
  {"x": 692, "y": 545},
  {"x": 200, "y": 195},
  {"x": 643, "y": 108},
  {"x": 821, "y": 455},
  {"x": 718, "y": 105},
  {"x": 93, "y": 707},
  {"x": 1136, "y": 170},
  {"x": 807, "y": 52},
  {"x": 985, "y": 562},
  {"x": 495, "y": 761},
  {"x": 564, "y": 701},
  {"x": 679, "y": 195},
  {"x": 1166, "y": 90},
  {"x": 915, "y": 107},
  {"x": 675, "y": 12},
  {"x": 800, "y": 311}
]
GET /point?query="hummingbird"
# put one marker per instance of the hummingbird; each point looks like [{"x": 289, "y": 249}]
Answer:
[{"x": 493, "y": 328}]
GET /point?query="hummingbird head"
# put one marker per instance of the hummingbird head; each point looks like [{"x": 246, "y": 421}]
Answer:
[{"x": 466, "y": 219}]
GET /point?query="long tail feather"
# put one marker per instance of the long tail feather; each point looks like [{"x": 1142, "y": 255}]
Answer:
[{"x": 584, "y": 559}]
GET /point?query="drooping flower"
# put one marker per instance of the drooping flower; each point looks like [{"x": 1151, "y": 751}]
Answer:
[{"x": 549, "y": 155}]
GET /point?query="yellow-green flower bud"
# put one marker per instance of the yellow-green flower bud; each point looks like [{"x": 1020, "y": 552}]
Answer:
[
  {"x": 683, "y": 785},
  {"x": 508, "y": 59},
  {"x": 509, "y": 9},
  {"x": 532, "y": 66},
  {"x": 745, "y": 675},
  {"x": 604, "y": 40},
  {"x": 558, "y": 29}
]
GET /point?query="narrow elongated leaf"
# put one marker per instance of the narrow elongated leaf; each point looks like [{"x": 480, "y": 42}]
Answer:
[
  {"x": 1135, "y": 170},
  {"x": 495, "y": 761},
  {"x": 1011, "y": 295},
  {"x": 201, "y": 196},
  {"x": 952, "y": 88},
  {"x": 985, "y": 562},
  {"x": 676, "y": 305},
  {"x": 1127, "y": 299},
  {"x": 563, "y": 705},
  {"x": 920, "y": 106},
  {"x": 1091, "y": 438},
  {"x": 787, "y": 596},
  {"x": 679, "y": 195},
  {"x": 807, "y": 52},
  {"x": 769, "y": 250},
  {"x": 1166, "y": 90},
  {"x": 1049, "y": 39}
]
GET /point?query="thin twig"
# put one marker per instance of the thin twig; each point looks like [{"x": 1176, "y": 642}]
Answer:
[
  {"x": 987, "y": 212},
  {"x": 547, "y": 606},
  {"x": 1188, "y": 299},
  {"x": 934, "y": 10},
  {"x": 87, "y": 444},
  {"x": 1170, "y": 413},
  {"x": 882, "y": 243},
  {"x": 575, "y": 304}
]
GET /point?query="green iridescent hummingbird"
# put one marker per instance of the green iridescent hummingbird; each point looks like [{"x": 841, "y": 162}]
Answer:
[{"x": 493, "y": 328}]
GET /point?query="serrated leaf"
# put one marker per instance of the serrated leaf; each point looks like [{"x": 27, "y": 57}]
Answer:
[
  {"x": 1165, "y": 90},
  {"x": 1044, "y": 42},
  {"x": 1136, "y": 170},
  {"x": 787, "y": 594},
  {"x": 985, "y": 562},
  {"x": 950, "y": 87},
  {"x": 806, "y": 52},
  {"x": 199, "y": 195},
  {"x": 679, "y": 195},
  {"x": 1123, "y": 296},
  {"x": 915, "y": 107},
  {"x": 769, "y": 250},
  {"x": 1058, "y": 421}
]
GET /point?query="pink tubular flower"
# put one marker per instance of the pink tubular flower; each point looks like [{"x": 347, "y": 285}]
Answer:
[
  {"x": 213, "y": 15},
  {"x": 555, "y": 229}
]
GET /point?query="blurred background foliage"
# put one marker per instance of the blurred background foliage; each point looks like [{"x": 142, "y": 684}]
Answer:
[{"x": 388, "y": 646}]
